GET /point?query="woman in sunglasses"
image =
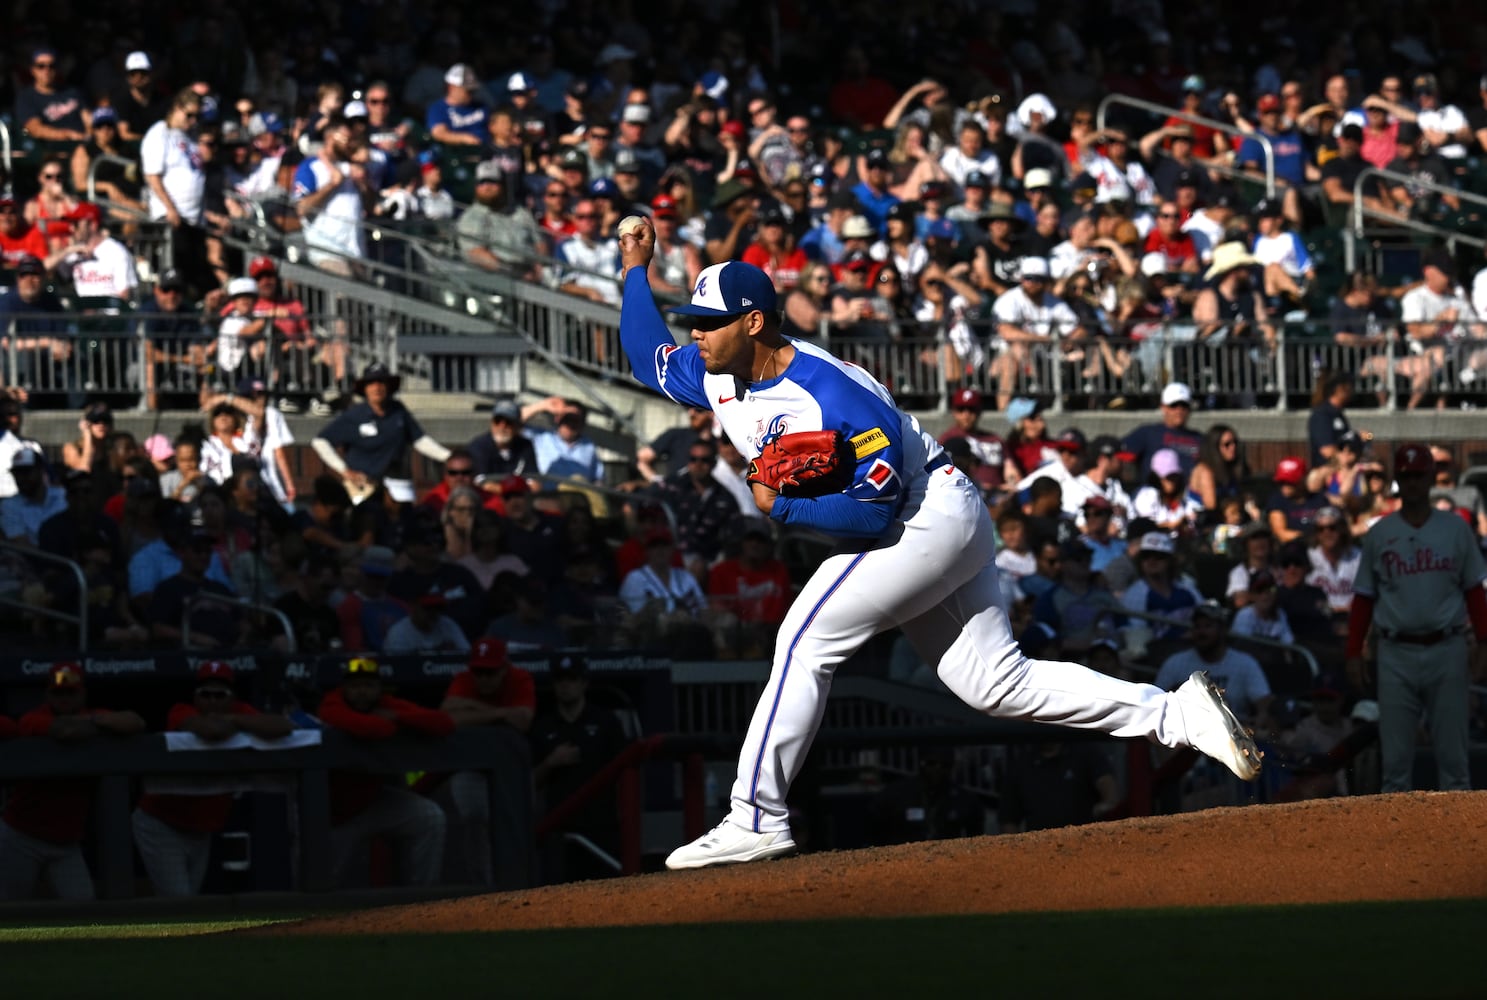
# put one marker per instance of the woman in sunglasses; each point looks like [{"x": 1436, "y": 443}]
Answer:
[{"x": 51, "y": 207}]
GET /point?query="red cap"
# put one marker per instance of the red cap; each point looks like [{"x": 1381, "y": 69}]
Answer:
[
  {"x": 1413, "y": 457},
  {"x": 262, "y": 266},
  {"x": 1291, "y": 470},
  {"x": 489, "y": 654},
  {"x": 664, "y": 206},
  {"x": 214, "y": 670},
  {"x": 966, "y": 399},
  {"x": 428, "y": 168},
  {"x": 659, "y": 536},
  {"x": 433, "y": 598},
  {"x": 1268, "y": 102},
  {"x": 86, "y": 210},
  {"x": 67, "y": 674},
  {"x": 514, "y": 486},
  {"x": 734, "y": 128}
]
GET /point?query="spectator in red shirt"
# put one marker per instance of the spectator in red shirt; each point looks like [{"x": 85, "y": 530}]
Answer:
[
  {"x": 174, "y": 832},
  {"x": 44, "y": 821},
  {"x": 858, "y": 99},
  {"x": 755, "y": 587},
  {"x": 1208, "y": 142},
  {"x": 774, "y": 251},
  {"x": 363, "y": 806},
  {"x": 491, "y": 693},
  {"x": 1178, "y": 251},
  {"x": 18, "y": 238}
]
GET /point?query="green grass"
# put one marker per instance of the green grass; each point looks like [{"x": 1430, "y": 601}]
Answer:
[
  {"x": 153, "y": 929},
  {"x": 1373, "y": 950}
]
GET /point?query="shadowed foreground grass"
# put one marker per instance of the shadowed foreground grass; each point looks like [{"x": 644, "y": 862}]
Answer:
[{"x": 1369, "y": 950}]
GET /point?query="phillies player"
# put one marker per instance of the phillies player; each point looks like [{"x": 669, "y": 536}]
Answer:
[
  {"x": 916, "y": 550},
  {"x": 174, "y": 832},
  {"x": 1419, "y": 579}
]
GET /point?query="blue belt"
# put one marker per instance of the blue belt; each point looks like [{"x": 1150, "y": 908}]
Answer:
[{"x": 937, "y": 463}]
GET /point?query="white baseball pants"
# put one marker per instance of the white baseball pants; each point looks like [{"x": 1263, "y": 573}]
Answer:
[
  {"x": 175, "y": 860},
  {"x": 935, "y": 576},
  {"x": 413, "y": 823},
  {"x": 23, "y": 860}
]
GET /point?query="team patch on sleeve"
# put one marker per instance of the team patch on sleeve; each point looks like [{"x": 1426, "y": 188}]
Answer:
[
  {"x": 880, "y": 475},
  {"x": 869, "y": 443}
]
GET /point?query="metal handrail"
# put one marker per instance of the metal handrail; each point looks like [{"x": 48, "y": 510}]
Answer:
[
  {"x": 1152, "y": 107},
  {"x": 250, "y": 205},
  {"x": 81, "y": 618},
  {"x": 1451, "y": 237},
  {"x": 5, "y": 154},
  {"x": 1305, "y": 654},
  {"x": 477, "y": 301},
  {"x": 93, "y": 171},
  {"x": 291, "y": 646}
]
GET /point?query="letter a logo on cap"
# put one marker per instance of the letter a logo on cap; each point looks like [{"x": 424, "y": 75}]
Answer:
[{"x": 701, "y": 288}]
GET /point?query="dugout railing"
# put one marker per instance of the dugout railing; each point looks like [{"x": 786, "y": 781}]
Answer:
[{"x": 497, "y": 751}]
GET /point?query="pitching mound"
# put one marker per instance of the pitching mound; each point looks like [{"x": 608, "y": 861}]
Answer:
[{"x": 1412, "y": 846}]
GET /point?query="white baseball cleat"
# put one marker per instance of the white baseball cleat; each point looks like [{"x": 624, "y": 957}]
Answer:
[
  {"x": 730, "y": 844},
  {"x": 1214, "y": 729}
]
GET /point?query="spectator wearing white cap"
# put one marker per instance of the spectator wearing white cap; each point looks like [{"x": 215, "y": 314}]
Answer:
[
  {"x": 35, "y": 499},
  {"x": 1160, "y": 589},
  {"x": 456, "y": 119},
  {"x": 138, "y": 103},
  {"x": 521, "y": 97},
  {"x": 635, "y": 125},
  {"x": 1172, "y": 432},
  {"x": 1028, "y": 315}
]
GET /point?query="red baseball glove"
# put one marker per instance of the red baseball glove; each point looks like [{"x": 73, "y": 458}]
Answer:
[{"x": 805, "y": 464}]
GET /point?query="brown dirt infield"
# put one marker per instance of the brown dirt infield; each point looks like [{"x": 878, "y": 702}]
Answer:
[{"x": 1421, "y": 845}]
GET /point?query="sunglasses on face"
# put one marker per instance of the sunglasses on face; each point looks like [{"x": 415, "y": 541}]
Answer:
[
  {"x": 1168, "y": 215},
  {"x": 376, "y": 100},
  {"x": 585, "y": 215},
  {"x": 51, "y": 177},
  {"x": 44, "y": 65}
]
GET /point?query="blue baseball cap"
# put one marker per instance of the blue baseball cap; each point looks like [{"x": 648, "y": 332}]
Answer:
[
  {"x": 731, "y": 288},
  {"x": 603, "y": 187}
]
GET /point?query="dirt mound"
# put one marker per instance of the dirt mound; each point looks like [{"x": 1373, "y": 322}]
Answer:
[{"x": 1412, "y": 846}]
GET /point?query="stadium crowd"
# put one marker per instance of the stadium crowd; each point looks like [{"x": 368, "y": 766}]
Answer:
[
  {"x": 979, "y": 208},
  {"x": 984, "y": 206}
]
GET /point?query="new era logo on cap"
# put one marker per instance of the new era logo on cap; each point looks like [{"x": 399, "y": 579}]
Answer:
[{"x": 731, "y": 288}]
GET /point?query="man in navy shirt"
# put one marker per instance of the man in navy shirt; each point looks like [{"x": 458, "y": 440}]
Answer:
[
  {"x": 505, "y": 451},
  {"x": 458, "y": 120},
  {"x": 1173, "y": 432},
  {"x": 374, "y": 436}
]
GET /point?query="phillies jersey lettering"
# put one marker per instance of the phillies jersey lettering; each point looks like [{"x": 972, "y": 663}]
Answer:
[{"x": 1417, "y": 576}]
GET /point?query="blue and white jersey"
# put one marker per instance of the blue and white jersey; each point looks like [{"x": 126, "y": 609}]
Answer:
[
  {"x": 816, "y": 391},
  {"x": 1285, "y": 249},
  {"x": 337, "y": 226}
]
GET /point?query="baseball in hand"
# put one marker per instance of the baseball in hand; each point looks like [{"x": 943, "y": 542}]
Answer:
[{"x": 631, "y": 224}]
